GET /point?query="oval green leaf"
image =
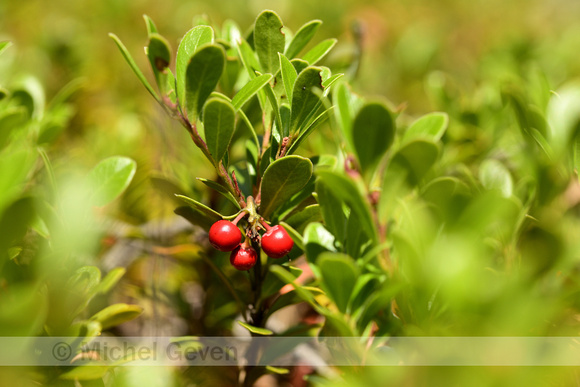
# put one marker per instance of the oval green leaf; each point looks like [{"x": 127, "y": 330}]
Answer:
[
  {"x": 202, "y": 76},
  {"x": 373, "y": 132},
  {"x": 282, "y": 179},
  {"x": 193, "y": 39},
  {"x": 269, "y": 40},
  {"x": 219, "y": 122},
  {"x": 109, "y": 178},
  {"x": 431, "y": 126},
  {"x": 159, "y": 54},
  {"x": 339, "y": 275}
]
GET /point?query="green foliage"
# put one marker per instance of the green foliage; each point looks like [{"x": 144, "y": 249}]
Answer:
[{"x": 457, "y": 222}]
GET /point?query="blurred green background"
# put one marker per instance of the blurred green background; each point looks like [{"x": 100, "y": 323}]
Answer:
[{"x": 448, "y": 55}]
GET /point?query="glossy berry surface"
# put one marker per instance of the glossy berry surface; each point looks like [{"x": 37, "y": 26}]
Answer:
[
  {"x": 276, "y": 242},
  {"x": 224, "y": 235},
  {"x": 243, "y": 259}
]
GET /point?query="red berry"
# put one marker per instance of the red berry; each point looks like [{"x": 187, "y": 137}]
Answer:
[
  {"x": 224, "y": 235},
  {"x": 276, "y": 242},
  {"x": 243, "y": 258}
]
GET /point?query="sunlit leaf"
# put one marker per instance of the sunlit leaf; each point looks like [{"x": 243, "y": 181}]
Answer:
[
  {"x": 110, "y": 178},
  {"x": 269, "y": 40},
  {"x": 288, "y": 76},
  {"x": 193, "y": 39},
  {"x": 116, "y": 314},
  {"x": 256, "y": 330},
  {"x": 134, "y": 66},
  {"x": 249, "y": 90},
  {"x": 431, "y": 126},
  {"x": 302, "y": 37},
  {"x": 319, "y": 51}
]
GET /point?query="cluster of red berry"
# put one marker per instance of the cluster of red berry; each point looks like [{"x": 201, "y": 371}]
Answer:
[{"x": 226, "y": 236}]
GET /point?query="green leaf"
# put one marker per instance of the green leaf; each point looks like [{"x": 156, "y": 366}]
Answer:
[
  {"x": 219, "y": 121},
  {"x": 256, "y": 330},
  {"x": 317, "y": 240},
  {"x": 249, "y": 90},
  {"x": 302, "y": 37},
  {"x": 277, "y": 370},
  {"x": 116, "y": 314},
  {"x": 373, "y": 132},
  {"x": 494, "y": 175},
  {"x": 330, "y": 81},
  {"x": 301, "y": 219},
  {"x": 282, "y": 179},
  {"x": 319, "y": 51},
  {"x": 269, "y": 40},
  {"x": 134, "y": 66},
  {"x": 159, "y": 54},
  {"x": 249, "y": 60},
  {"x": 304, "y": 97},
  {"x": 339, "y": 275},
  {"x": 4, "y": 45},
  {"x": 303, "y": 293},
  {"x": 221, "y": 189},
  {"x": 202, "y": 76},
  {"x": 430, "y": 126},
  {"x": 151, "y": 27},
  {"x": 332, "y": 212},
  {"x": 416, "y": 157},
  {"x": 193, "y": 39},
  {"x": 110, "y": 178},
  {"x": 347, "y": 191},
  {"x": 209, "y": 214},
  {"x": 288, "y": 76},
  {"x": 111, "y": 279},
  {"x": 295, "y": 235}
]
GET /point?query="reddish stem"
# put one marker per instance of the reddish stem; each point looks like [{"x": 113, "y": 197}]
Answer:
[
  {"x": 266, "y": 225},
  {"x": 240, "y": 216}
]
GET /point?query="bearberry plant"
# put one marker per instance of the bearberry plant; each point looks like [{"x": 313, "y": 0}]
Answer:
[{"x": 411, "y": 222}]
